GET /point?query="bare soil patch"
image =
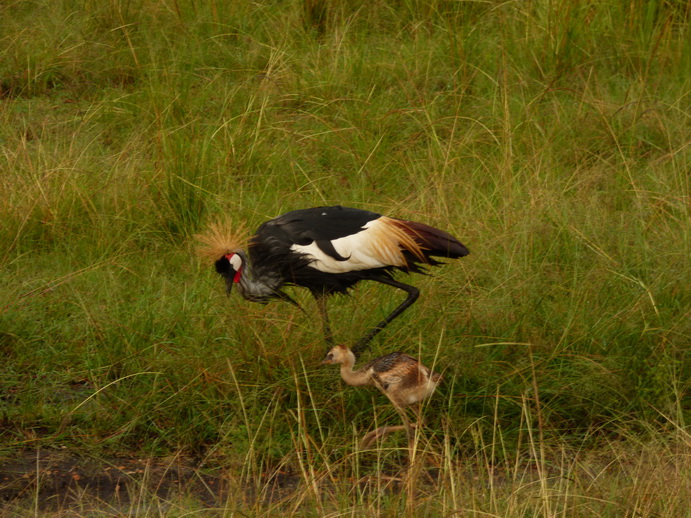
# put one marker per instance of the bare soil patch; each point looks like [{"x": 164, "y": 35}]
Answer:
[{"x": 54, "y": 481}]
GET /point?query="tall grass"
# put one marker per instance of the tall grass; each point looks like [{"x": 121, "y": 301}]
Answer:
[{"x": 551, "y": 137}]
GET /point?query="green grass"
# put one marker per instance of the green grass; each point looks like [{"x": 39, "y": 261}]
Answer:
[{"x": 551, "y": 137}]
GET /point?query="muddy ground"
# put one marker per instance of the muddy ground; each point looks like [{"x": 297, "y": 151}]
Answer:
[{"x": 54, "y": 481}]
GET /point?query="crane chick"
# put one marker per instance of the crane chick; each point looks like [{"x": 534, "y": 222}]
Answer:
[{"x": 402, "y": 378}]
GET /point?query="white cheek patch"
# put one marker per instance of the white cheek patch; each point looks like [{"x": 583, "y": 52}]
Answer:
[{"x": 236, "y": 262}]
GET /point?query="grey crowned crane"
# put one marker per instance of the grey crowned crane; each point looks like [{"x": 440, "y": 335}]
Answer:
[
  {"x": 328, "y": 250},
  {"x": 402, "y": 379}
]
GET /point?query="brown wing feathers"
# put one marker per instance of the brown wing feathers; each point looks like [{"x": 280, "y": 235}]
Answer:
[{"x": 423, "y": 241}]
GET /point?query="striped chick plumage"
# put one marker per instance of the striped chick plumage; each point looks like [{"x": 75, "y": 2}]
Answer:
[{"x": 402, "y": 378}]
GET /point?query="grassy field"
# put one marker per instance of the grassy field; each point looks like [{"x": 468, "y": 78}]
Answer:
[{"x": 551, "y": 137}]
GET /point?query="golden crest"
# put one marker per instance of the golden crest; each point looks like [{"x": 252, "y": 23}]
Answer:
[{"x": 220, "y": 239}]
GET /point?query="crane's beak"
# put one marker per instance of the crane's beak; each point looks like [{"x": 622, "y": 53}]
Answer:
[{"x": 229, "y": 284}]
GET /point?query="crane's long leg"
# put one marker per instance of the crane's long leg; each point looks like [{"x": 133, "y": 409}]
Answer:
[
  {"x": 413, "y": 294},
  {"x": 321, "y": 304}
]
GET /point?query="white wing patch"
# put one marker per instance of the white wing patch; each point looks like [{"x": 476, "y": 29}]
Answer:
[{"x": 380, "y": 244}]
